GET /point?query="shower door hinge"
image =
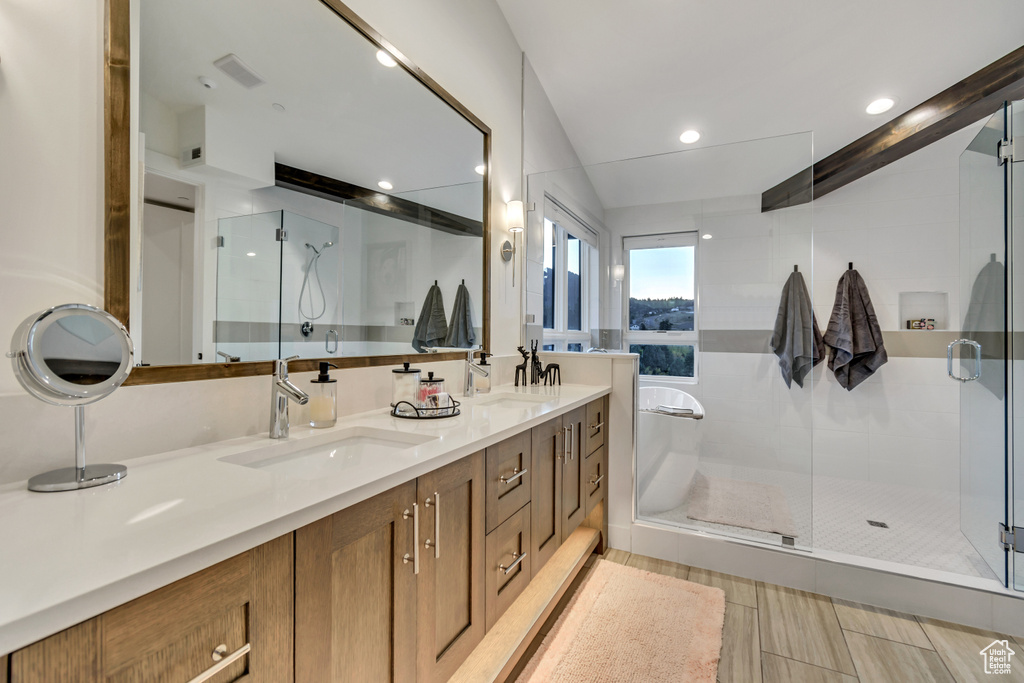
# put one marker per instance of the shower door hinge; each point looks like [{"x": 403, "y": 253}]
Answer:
[
  {"x": 220, "y": 240},
  {"x": 281, "y": 235},
  {"x": 1012, "y": 538},
  {"x": 1005, "y": 151}
]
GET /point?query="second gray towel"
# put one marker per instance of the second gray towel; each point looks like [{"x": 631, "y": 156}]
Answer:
[
  {"x": 460, "y": 328},
  {"x": 853, "y": 333},
  {"x": 796, "y": 339}
]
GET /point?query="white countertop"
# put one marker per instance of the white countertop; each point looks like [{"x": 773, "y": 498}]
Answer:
[{"x": 67, "y": 557}]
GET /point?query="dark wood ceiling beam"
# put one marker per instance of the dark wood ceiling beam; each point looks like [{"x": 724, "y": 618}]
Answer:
[
  {"x": 336, "y": 190},
  {"x": 970, "y": 100}
]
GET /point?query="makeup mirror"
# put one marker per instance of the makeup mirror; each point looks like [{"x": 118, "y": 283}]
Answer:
[{"x": 72, "y": 355}]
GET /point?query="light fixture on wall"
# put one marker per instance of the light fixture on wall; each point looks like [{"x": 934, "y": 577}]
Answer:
[{"x": 515, "y": 218}]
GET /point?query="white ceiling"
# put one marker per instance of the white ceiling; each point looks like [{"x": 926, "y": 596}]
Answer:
[
  {"x": 346, "y": 116},
  {"x": 627, "y": 78}
]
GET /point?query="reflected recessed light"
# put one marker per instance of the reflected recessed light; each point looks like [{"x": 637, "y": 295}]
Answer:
[
  {"x": 251, "y": 253},
  {"x": 689, "y": 137},
  {"x": 386, "y": 59},
  {"x": 880, "y": 106},
  {"x": 481, "y": 169},
  {"x": 278, "y": 107},
  {"x": 706, "y": 236},
  {"x": 385, "y": 185},
  {"x": 208, "y": 83}
]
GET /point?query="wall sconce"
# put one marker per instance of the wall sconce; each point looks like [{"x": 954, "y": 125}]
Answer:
[
  {"x": 515, "y": 217},
  {"x": 618, "y": 273}
]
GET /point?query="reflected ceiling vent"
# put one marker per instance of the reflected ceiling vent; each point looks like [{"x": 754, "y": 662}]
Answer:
[{"x": 238, "y": 70}]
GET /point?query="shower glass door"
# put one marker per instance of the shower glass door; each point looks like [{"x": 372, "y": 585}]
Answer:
[
  {"x": 978, "y": 359},
  {"x": 1015, "y": 210}
]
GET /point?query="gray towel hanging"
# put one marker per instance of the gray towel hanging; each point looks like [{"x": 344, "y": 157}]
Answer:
[
  {"x": 853, "y": 333},
  {"x": 796, "y": 339},
  {"x": 460, "y": 328},
  {"x": 431, "y": 328}
]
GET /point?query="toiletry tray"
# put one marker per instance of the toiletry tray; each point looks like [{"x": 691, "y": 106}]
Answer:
[{"x": 426, "y": 413}]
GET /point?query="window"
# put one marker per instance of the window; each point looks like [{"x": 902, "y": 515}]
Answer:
[
  {"x": 569, "y": 259},
  {"x": 661, "y": 312}
]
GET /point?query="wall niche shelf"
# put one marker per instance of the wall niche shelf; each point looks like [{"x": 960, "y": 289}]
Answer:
[{"x": 917, "y": 305}]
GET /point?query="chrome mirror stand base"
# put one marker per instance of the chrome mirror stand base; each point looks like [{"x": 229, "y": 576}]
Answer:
[
  {"x": 73, "y": 478},
  {"x": 81, "y": 476}
]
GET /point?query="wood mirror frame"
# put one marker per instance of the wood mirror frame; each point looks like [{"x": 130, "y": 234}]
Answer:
[{"x": 117, "y": 204}]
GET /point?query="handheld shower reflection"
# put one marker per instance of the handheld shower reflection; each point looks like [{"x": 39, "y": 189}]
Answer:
[{"x": 311, "y": 265}]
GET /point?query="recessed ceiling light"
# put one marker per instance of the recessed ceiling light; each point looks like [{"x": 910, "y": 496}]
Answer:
[
  {"x": 706, "y": 236},
  {"x": 481, "y": 169},
  {"x": 251, "y": 253},
  {"x": 385, "y": 185},
  {"x": 880, "y": 106},
  {"x": 689, "y": 137},
  {"x": 386, "y": 59},
  {"x": 277, "y": 106}
]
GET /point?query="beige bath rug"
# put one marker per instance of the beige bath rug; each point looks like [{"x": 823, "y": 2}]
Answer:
[
  {"x": 746, "y": 504},
  {"x": 628, "y": 625}
]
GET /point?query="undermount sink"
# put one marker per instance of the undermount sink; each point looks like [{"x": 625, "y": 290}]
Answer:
[
  {"x": 350, "y": 451},
  {"x": 512, "y": 399}
]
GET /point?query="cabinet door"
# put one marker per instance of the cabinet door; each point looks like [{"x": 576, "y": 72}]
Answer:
[
  {"x": 508, "y": 478},
  {"x": 237, "y": 612},
  {"x": 574, "y": 472},
  {"x": 595, "y": 428},
  {"x": 450, "y": 619},
  {"x": 546, "y": 500},
  {"x": 355, "y": 592}
]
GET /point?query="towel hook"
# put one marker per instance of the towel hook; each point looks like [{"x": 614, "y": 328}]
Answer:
[
  {"x": 851, "y": 266},
  {"x": 435, "y": 283},
  {"x": 795, "y": 268},
  {"x": 992, "y": 257}
]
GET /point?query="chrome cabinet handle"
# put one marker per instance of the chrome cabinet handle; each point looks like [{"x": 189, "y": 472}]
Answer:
[
  {"x": 572, "y": 440},
  {"x": 415, "y": 538},
  {"x": 977, "y": 360},
  {"x": 223, "y": 660},
  {"x": 436, "y": 545},
  {"x": 516, "y": 473},
  {"x": 597, "y": 426},
  {"x": 517, "y": 557},
  {"x": 596, "y": 480}
]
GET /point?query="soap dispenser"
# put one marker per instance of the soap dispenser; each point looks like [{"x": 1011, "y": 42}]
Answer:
[
  {"x": 323, "y": 398},
  {"x": 482, "y": 383}
]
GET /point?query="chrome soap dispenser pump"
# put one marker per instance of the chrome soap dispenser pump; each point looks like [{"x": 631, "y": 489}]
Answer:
[{"x": 323, "y": 398}]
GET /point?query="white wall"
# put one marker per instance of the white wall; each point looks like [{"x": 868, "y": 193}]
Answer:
[{"x": 51, "y": 190}]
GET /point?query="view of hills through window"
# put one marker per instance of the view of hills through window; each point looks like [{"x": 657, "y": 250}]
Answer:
[{"x": 661, "y": 289}]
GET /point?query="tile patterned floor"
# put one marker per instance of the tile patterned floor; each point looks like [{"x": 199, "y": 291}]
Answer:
[
  {"x": 781, "y": 635},
  {"x": 923, "y": 525}
]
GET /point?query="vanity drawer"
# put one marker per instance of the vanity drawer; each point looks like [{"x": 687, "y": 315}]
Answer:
[
  {"x": 597, "y": 412},
  {"x": 507, "y": 563},
  {"x": 595, "y": 482},
  {"x": 508, "y": 478},
  {"x": 232, "y": 620}
]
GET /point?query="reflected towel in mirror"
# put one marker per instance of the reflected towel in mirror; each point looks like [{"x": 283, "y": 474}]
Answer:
[
  {"x": 460, "y": 328},
  {"x": 431, "y": 328}
]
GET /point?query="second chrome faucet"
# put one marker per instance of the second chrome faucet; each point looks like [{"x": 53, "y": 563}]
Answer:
[{"x": 281, "y": 392}]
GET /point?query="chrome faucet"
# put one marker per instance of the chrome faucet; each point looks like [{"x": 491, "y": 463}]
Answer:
[
  {"x": 282, "y": 391},
  {"x": 470, "y": 377}
]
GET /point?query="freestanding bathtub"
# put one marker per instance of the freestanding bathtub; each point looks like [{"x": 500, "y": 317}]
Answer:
[{"x": 667, "y": 447}]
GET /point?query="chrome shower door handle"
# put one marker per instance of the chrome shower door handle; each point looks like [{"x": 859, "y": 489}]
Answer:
[
  {"x": 331, "y": 336},
  {"x": 977, "y": 360}
]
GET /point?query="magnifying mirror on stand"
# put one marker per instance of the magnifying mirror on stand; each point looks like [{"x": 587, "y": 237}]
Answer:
[{"x": 72, "y": 355}]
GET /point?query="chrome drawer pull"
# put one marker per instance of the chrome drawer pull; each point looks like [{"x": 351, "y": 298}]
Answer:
[
  {"x": 415, "y": 538},
  {"x": 436, "y": 545},
  {"x": 515, "y": 475},
  {"x": 518, "y": 558},
  {"x": 223, "y": 660},
  {"x": 596, "y": 480},
  {"x": 597, "y": 426}
]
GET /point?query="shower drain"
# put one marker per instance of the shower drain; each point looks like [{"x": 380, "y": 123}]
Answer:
[{"x": 880, "y": 525}]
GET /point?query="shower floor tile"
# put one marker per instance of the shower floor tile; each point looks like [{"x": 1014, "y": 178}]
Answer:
[{"x": 923, "y": 525}]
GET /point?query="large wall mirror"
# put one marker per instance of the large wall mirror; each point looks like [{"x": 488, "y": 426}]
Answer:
[{"x": 301, "y": 189}]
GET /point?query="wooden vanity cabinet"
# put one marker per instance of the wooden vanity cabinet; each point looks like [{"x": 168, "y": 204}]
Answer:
[
  {"x": 355, "y": 593},
  {"x": 546, "y": 500},
  {"x": 369, "y": 606},
  {"x": 238, "y": 611},
  {"x": 574, "y": 501}
]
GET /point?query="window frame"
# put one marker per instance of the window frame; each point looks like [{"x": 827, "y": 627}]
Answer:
[
  {"x": 564, "y": 225},
  {"x": 663, "y": 337}
]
